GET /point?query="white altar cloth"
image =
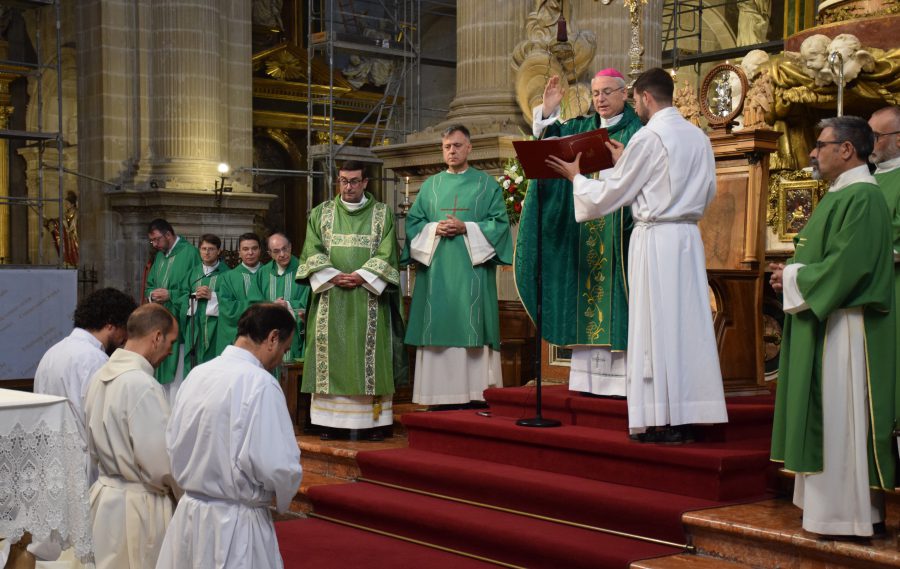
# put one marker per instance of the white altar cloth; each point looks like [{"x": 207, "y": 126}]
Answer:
[{"x": 43, "y": 483}]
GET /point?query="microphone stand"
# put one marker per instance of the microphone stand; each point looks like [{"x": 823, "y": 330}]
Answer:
[
  {"x": 538, "y": 420},
  {"x": 192, "y": 303}
]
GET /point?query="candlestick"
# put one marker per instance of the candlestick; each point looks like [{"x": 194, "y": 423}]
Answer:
[{"x": 406, "y": 190}]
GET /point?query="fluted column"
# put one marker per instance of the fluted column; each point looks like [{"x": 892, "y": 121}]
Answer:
[
  {"x": 185, "y": 133},
  {"x": 486, "y": 34}
]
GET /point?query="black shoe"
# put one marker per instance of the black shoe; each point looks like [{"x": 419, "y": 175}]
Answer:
[
  {"x": 879, "y": 529},
  {"x": 373, "y": 435},
  {"x": 648, "y": 436},
  {"x": 677, "y": 435},
  {"x": 333, "y": 434}
]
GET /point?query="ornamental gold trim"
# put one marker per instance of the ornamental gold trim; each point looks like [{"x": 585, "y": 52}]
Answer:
[{"x": 793, "y": 195}]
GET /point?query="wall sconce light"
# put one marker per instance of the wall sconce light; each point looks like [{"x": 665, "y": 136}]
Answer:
[{"x": 222, "y": 185}]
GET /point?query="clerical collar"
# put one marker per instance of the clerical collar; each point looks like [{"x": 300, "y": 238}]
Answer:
[
  {"x": 251, "y": 269},
  {"x": 888, "y": 165},
  {"x": 458, "y": 173},
  {"x": 606, "y": 123},
  {"x": 207, "y": 269},
  {"x": 355, "y": 206},
  {"x": 279, "y": 270},
  {"x": 852, "y": 176},
  {"x": 172, "y": 248}
]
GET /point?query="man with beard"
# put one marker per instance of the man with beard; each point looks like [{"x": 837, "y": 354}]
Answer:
[
  {"x": 667, "y": 174},
  {"x": 67, "y": 367},
  {"x": 834, "y": 409},
  {"x": 168, "y": 284},
  {"x": 585, "y": 302}
]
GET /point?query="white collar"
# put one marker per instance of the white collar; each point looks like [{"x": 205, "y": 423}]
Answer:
[
  {"x": 251, "y": 269},
  {"x": 458, "y": 173},
  {"x": 169, "y": 252},
  {"x": 612, "y": 121},
  {"x": 207, "y": 269},
  {"x": 355, "y": 206},
  {"x": 888, "y": 165},
  {"x": 852, "y": 176}
]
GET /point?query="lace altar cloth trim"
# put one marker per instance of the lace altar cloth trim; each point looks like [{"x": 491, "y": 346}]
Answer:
[{"x": 43, "y": 486}]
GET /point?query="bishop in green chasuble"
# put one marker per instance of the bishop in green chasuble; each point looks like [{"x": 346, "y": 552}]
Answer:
[
  {"x": 277, "y": 283},
  {"x": 354, "y": 351},
  {"x": 585, "y": 291},
  {"x": 172, "y": 271}
]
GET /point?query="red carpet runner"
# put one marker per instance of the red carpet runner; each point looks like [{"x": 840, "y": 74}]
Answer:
[{"x": 586, "y": 472}]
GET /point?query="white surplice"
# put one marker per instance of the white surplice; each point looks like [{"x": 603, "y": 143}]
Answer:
[
  {"x": 126, "y": 413},
  {"x": 464, "y": 372},
  {"x": 667, "y": 175},
  {"x": 233, "y": 450}
]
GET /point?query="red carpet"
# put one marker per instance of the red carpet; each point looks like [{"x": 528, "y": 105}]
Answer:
[
  {"x": 316, "y": 544},
  {"x": 586, "y": 472}
]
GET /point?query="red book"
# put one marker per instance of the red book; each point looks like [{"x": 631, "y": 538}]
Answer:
[{"x": 595, "y": 156}]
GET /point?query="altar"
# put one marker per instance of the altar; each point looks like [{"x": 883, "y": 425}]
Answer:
[{"x": 43, "y": 483}]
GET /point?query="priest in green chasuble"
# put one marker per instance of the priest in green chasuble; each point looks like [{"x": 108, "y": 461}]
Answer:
[
  {"x": 354, "y": 323},
  {"x": 885, "y": 125},
  {"x": 457, "y": 232},
  {"x": 834, "y": 409},
  {"x": 276, "y": 283},
  {"x": 202, "y": 330},
  {"x": 239, "y": 289},
  {"x": 168, "y": 284},
  {"x": 585, "y": 302}
]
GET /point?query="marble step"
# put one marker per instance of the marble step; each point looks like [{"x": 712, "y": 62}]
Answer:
[
  {"x": 768, "y": 534},
  {"x": 686, "y": 561}
]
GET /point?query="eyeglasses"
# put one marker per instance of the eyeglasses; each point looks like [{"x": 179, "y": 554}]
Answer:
[
  {"x": 155, "y": 240},
  {"x": 275, "y": 252},
  {"x": 353, "y": 182},
  {"x": 820, "y": 144},
  {"x": 880, "y": 134},
  {"x": 607, "y": 92}
]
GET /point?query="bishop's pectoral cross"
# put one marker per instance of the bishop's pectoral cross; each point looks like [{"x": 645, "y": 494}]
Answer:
[{"x": 455, "y": 209}]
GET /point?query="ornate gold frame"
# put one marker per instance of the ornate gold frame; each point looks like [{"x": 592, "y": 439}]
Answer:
[
  {"x": 715, "y": 120},
  {"x": 793, "y": 195}
]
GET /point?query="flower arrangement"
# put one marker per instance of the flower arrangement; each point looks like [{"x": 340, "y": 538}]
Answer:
[{"x": 514, "y": 185}]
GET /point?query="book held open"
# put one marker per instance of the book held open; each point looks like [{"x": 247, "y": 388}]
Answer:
[{"x": 595, "y": 156}]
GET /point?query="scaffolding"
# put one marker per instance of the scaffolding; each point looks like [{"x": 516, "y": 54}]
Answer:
[
  {"x": 383, "y": 35},
  {"x": 34, "y": 71}
]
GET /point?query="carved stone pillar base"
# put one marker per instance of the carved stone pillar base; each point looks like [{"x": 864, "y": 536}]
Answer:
[{"x": 191, "y": 213}]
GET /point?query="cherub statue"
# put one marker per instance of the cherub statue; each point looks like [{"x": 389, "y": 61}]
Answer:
[
  {"x": 854, "y": 57},
  {"x": 752, "y": 62},
  {"x": 814, "y": 58},
  {"x": 759, "y": 102}
]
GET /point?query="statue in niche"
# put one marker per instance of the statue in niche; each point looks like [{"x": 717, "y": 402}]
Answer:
[
  {"x": 66, "y": 233},
  {"x": 753, "y": 21},
  {"x": 362, "y": 70},
  {"x": 534, "y": 62},
  {"x": 685, "y": 100},
  {"x": 267, "y": 13},
  {"x": 759, "y": 102}
]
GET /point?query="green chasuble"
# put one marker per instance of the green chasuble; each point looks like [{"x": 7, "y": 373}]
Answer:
[
  {"x": 238, "y": 291},
  {"x": 202, "y": 330},
  {"x": 274, "y": 286},
  {"x": 354, "y": 345},
  {"x": 584, "y": 264},
  {"x": 454, "y": 304},
  {"x": 890, "y": 185},
  {"x": 845, "y": 249},
  {"x": 173, "y": 273}
]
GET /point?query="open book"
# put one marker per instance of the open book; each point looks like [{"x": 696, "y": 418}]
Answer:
[{"x": 595, "y": 155}]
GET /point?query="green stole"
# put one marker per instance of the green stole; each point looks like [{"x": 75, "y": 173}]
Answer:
[
  {"x": 583, "y": 264},
  {"x": 454, "y": 303},
  {"x": 205, "y": 328},
  {"x": 238, "y": 291},
  {"x": 274, "y": 286},
  {"x": 173, "y": 273},
  {"x": 890, "y": 185},
  {"x": 354, "y": 346},
  {"x": 844, "y": 247}
]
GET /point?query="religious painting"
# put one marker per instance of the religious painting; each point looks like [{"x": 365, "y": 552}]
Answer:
[{"x": 797, "y": 195}]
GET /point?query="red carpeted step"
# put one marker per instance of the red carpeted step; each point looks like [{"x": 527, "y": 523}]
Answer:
[
  {"x": 317, "y": 544},
  {"x": 712, "y": 471},
  {"x": 496, "y": 535},
  {"x": 611, "y": 506},
  {"x": 749, "y": 418}
]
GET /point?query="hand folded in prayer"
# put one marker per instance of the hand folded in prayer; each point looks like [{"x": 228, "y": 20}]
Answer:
[
  {"x": 345, "y": 280},
  {"x": 203, "y": 292},
  {"x": 159, "y": 295},
  {"x": 450, "y": 227}
]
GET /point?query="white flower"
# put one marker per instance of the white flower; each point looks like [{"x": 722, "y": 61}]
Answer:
[
  {"x": 510, "y": 199},
  {"x": 513, "y": 168},
  {"x": 506, "y": 183},
  {"x": 519, "y": 180}
]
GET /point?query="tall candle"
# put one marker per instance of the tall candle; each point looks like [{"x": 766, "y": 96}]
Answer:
[{"x": 406, "y": 191}]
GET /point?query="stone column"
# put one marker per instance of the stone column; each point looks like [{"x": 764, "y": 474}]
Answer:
[{"x": 5, "y": 112}]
